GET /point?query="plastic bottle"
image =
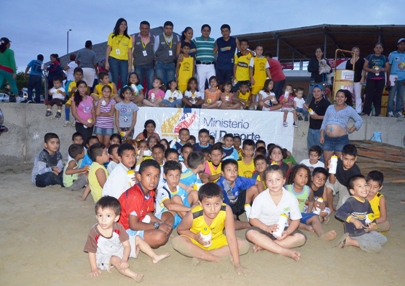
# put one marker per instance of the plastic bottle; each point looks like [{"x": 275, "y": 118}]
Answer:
[
  {"x": 370, "y": 218},
  {"x": 282, "y": 221},
  {"x": 318, "y": 210},
  {"x": 89, "y": 121},
  {"x": 376, "y": 71},
  {"x": 135, "y": 89},
  {"x": 152, "y": 96},
  {"x": 310, "y": 111},
  {"x": 197, "y": 186},
  {"x": 131, "y": 174},
  {"x": 206, "y": 236},
  {"x": 333, "y": 164}
]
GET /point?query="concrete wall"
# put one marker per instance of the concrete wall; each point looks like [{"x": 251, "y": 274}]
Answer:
[{"x": 27, "y": 125}]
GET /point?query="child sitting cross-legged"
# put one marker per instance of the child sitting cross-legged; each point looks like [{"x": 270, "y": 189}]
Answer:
[
  {"x": 267, "y": 209},
  {"x": 74, "y": 177},
  {"x": 321, "y": 194},
  {"x": 298, "y": 181},
  {"x": 202, "y": 230},
  {"x": 107, "y": 243},
  {"x": 355, "y": 212}
]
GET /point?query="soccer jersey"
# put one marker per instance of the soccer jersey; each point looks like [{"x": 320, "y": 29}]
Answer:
[
  {"x": 230, "y": 153},
  {"x": 213, "y": 170},
  {"x": 188, "y": 178},
  {"x": 99, "y": 89},
  {"x": 185, "y": 70},
  {"x": 231, "y": 193},
  {"x": 375, "y": 204},
  {"x": 244, "y": 97},
  {"x": 259, "y": 65},
  {"x": 165, "y": 193},
  {"x": 198, "y": 147},
  {"x": 242, "y": 70},
  {"x": 96, "y": 189},
  {"x": 246, "y": 170}
]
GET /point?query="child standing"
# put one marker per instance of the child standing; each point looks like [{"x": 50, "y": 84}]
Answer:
[
  {"x": 354, "y": 212},
  {"x": 299, "y": 102},
  {"x": 48, "y": 163},
  {"x": 192, "y": 97},
  {"x": 259, "y": 70},
  {"x": 83, "y": 111},
  {"x": 184, "y": 67},
  {"x": 315, "y": 153},
  {"x": 71, "y": 89},
  {"x": 137, "y": 88},
  {"x": 58, "y": 96},
  {"x": 266, "y": 211},
  {"x": 155, "y": 95},
  {"x": 267, "y": 98},
  {"x": 214, "y": 216},
  {"x": 125, "y": 115},
  {"x": 107, "y": 243},
  {"x": 173, "y": 96},
  {"x": 246, "y": 166},
  {"x": 241, "y": 63},
  {"x": 212, "y": 95},
  {"x": 377, "y": 201},
  {"x": 298, "y": 181},
  {"x": 105, "y": 108},
  {"x": 227, "y": 97},
  {"x": 287, "y": 101},
  {"x": 74, "y": 177}
]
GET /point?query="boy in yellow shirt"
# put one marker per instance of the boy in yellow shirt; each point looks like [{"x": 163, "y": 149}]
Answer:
[
  {"x": 184, "y": 67},
  {"x": 105, "y": 80},
  {"x": 259, "y": 69},
  {"x": 241, "y": 63},
  {"x": 246, "y": 166}
]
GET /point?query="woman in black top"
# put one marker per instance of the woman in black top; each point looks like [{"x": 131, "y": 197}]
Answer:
[
  {"x": 316, "y": 76},
  {"x": 359, "y": 77}
]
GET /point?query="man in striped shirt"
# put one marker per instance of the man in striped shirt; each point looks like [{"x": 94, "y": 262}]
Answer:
[{"x": 204, "y": 56}]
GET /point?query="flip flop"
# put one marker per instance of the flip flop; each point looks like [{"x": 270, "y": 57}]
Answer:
[
  {"x": 342, "y": 241},
  {"x": 326, "y": 220}
]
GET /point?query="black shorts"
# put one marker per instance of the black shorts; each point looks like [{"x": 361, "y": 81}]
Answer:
[
  {"x": 238, "y": 207},
  {"x": 57, "y": 101},
  {"x": 224, "y": 76},
  {"x": 269, "y": 235}
]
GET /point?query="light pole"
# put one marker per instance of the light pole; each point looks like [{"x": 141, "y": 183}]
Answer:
[{"x": 67, "y": 41}]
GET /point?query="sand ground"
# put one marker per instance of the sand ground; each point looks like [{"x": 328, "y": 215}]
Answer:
[{"x": 43, "y": 232}]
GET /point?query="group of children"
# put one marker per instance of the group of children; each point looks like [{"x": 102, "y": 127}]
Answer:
[{"x": 150, "y": 187}]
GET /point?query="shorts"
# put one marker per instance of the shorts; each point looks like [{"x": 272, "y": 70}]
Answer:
[
  {"x": 103, "y": 259},
  {"x": 325, "y": 210},
  {"x": 269, "y": 235},
  {"x": 57, "y": 101},
  {"x": 306, "y": 217},
  {"x": 289, "y": 109},
  {"x": 177, "y": 218},
  {"x": 130, "y": 135},
  {"x": 335, "y": 143},
  {"x": 132, "y": 235},
  {"x": 79, "y": 183},
  {"x": 371, "y": 241},
  {"x": 103, "y": 131},
  {"x": 216, "y": 243},
  {"x": 238, "y": 207}
]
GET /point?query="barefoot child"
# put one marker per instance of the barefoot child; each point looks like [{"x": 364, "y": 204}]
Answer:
[
  {"x": 377, "y": 201},
  {"x": 107, "y": 243},
  {"x": 319, "y": 177},
  {"x": 213, "y": 215},
  {"x": 227, "y": 99},
  {"x": 74, "y": 177},
  {"x": 212, "y": 95},
  {"x": 353, "y": 213},
  {"x": 298, "y": 181},
  {"x": 265, "y": 214}
]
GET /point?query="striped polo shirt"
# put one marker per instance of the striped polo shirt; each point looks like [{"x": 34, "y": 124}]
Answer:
[{"x": 205, "y": 49}]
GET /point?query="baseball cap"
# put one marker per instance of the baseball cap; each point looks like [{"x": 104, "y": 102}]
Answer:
[
  {"x": 5, "y": 40},
  {"x": 401, "y": 40}
]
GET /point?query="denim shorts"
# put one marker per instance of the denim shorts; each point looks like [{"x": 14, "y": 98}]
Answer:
[
  {"x": 103, "y": 131},
  {"x": 335, "y": 143}
]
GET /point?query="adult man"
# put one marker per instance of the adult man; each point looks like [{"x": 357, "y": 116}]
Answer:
[
  {"x": 35, "y": 78},
  {"x": 225, "y": 47},
  {"x": 86, "y": 60},
  {"x": 143, "y": 54},
  {"x": 165, "y": 53},
  {"x": 396, "y": 79},
  {"x": 318, "y": 105},
  {"x": 204, "y": 56},
  {"x": 277, "y": 74}
]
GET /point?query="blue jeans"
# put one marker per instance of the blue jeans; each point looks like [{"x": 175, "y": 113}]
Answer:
[
  {"x": 335, "y": 143},
  {"x": 48, "y": 179},
  {"x": 34, "y": 82},
  {"x": 302, "y": 111},
  {"x": 165, "y": 71},
  {"x": 175, "y": 103},
  {"x": 398, "y": 91},
  {"x": 118, "y": 69},
  {"x": 145, "y": 72}
]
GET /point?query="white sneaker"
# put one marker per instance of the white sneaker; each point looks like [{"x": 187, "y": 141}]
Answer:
[
  {"x": 73, "y": 123},
  {"x": 66, "y": 124},
  {"x": 285, "y": 124},
  {"x": 390, "y": 114},
  {"x": 399, "y": 114}
]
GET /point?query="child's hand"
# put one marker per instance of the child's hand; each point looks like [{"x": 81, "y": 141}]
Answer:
[
  {"x": 204, "y": 177},
  {"x": 271, "y": 228},
  {"x": 56, "y": 170},
  {"x": 165, "y": 228},
  {"x": 124, "y": 265},
  {"x": 74, "y": 89},
  {"x": 242, "y": 270},
  {"x": 174, "y": 98},
  {"x": 200, "y": 240},
  {"x": 80, "y": 198},
  {"x": 320, "y": 205},
  {"x": 94, "y": 273},
  {"x": 358, "y": 224},
  {"x": 370, "y": 227},
  {"x": 189, "y": 189},
  {"x": 283, "y": 235}
]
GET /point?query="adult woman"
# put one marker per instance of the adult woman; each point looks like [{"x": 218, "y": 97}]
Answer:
[
  {"x": 359, "y": 76},
  {"x": 119, "y": 55},
  {"x": 186, "y": 37},
  {"x": 149, "y": 131},
  {"x": 334, "y": 129},
  {"x": 8, "y": 67},
  {"x": 318, "y": 75},
  {"x": 375, "y": 65},
  {"x": 54, "y": 69}
]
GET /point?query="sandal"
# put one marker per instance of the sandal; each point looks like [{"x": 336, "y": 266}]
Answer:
[{"x": 342, "y": 241}]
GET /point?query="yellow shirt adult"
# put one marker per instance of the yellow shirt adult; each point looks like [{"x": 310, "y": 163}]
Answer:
[
  {"x": 120, "y": 46},
  {"x": 246, "y": 170}
]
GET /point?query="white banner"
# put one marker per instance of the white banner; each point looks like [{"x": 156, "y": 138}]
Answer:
[{"x": 248, "y": 124}]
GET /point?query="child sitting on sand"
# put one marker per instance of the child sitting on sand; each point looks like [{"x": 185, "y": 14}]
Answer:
[
  {"x": 74, "y": 177},
  {"x": 266, "y": 211},
  {"x": 107, "y": 243},
  {"x": 213, "y": 216}
]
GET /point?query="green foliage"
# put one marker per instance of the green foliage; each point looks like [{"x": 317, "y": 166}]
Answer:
[{"x": 21, "y": 81}]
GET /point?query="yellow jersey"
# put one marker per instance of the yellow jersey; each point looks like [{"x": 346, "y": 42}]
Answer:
[
  {"x": 242, "y": 70},
  {"x": 246, "y": 170},
  {"x": 95, "y": 188},
  {"x": 99, "y": 87},
  {"x": 214, "y": 170},
  {"x": 244, "y": 97},
  {"x": 186, "y": 70},
  {"x": 375, "y": 204}
]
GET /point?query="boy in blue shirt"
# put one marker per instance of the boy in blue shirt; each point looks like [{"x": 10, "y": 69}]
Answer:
[
  {"x": 87, "y": 160},
  {"x": 396, "y": 79},
  {"x": 239, "y": 192},
  {"x": 196, "y": 167},
  {"x": 204, "y": 140},
  {"x": 227, "y": 148},
  {"x": 35, "y": 79}
]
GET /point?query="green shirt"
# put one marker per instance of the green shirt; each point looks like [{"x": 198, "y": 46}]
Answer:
[
  {"x": 7, "y": 59},
  {"x": 205, "y": 49},
  {"x": 69, "y": 179},
  {"x": 302, "y": 197}
]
